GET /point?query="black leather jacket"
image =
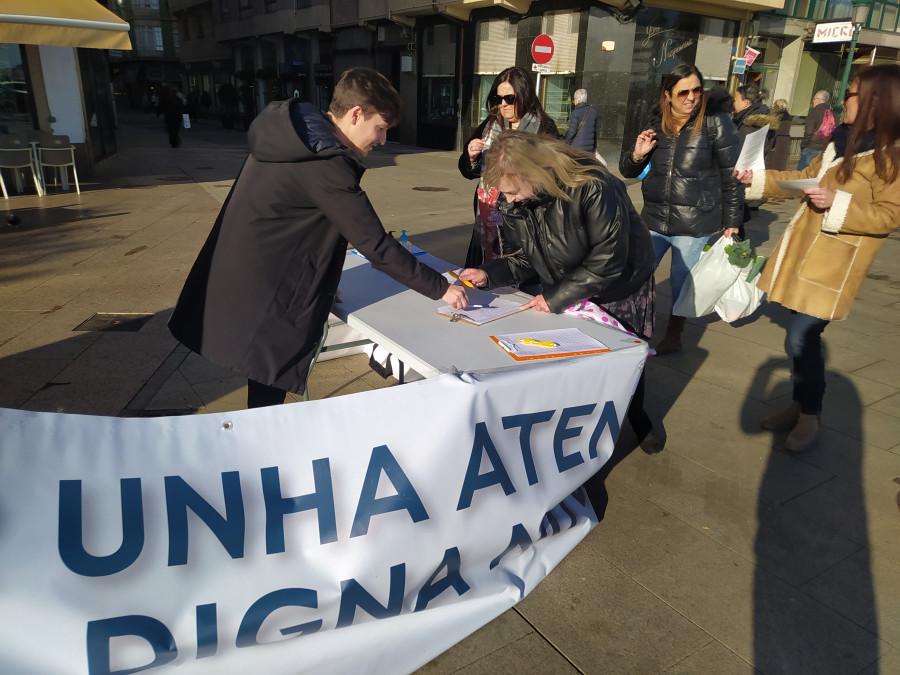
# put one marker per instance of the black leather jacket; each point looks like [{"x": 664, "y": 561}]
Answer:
[
  {"x": 690, "y": 189},
  {"x": 593, "y": 247}
]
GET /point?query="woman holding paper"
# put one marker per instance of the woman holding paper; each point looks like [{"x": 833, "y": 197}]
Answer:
[
  {"x": 823, "y": 256},
  {"x": 572, "y": 225},
  {"x": 512, "y": 104},
  {"x": 689, "y": 193}
]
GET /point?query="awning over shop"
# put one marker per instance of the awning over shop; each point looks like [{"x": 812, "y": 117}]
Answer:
[{"x": 69, "y": 23}]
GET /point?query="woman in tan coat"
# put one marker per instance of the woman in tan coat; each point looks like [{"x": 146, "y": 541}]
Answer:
[{"x": 826, "y": 250}]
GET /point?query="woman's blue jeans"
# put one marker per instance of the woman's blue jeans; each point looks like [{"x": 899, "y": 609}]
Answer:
[
  {"x": 686, "y": 252},
  {"x": 804, "y": 346},
  {"x": 807, "y": 155}
]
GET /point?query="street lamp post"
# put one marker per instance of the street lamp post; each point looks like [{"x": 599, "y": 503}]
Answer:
[{"x": 861, "y": 10}]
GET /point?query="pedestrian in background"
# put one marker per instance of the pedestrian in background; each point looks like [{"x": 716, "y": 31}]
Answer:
[
  {"x": 512, "y": 103},
  {"x": 581, "y": 133},
  {"x": 260, "y": 292},
  {"x": 172, "y": 108},
  {"x": 816, "y": 130},
  {"x": 748, "y": 105},
  {"x": 690, "y": 192},
  {"x": 822, "y": 258},
  {"x": 778, "y": 154},
  {"x": 751, "y": 115}
]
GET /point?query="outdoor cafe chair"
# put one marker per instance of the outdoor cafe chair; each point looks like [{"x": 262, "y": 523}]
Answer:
[
  {"x": 15, "y": 154},
  {"x": 57, "y": 152}
]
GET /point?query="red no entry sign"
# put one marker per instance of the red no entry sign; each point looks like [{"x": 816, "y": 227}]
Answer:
[{"x": 542, "y": 49}]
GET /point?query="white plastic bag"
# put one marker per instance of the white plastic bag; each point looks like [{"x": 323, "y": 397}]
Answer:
[
  {"x": 709, "y": 279},
  {"x": 186, "y": 121},
  {"x": 742, "y": 299}
]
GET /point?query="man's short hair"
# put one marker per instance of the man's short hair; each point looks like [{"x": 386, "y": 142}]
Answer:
[
  {"x": 368, "y": 89},
  {"x": 822, "y": 95},
  {"x": 580, "y": 95}
]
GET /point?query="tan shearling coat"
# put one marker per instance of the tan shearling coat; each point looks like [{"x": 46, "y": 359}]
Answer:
[{"x": 822, "y": 258}]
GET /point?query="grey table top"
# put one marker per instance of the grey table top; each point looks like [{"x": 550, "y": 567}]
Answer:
[{"x": 407, "y": 324}]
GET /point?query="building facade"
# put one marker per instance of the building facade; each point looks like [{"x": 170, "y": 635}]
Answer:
[
  {"x": 794, "y": 67},
  {"x": 443, "y": 55},
  {"x": 54, "y": 76},
  {"x": 206, "y": 64},
  {"x": 152, "y": 64}
]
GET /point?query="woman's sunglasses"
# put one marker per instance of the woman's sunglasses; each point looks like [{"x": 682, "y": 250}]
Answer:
[
  {"x": 683, "y": 94},
  {"x": 509, "y": 99}
]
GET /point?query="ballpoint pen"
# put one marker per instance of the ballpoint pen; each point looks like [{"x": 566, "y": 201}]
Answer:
[
  {"x": 537, "y": 343},
  {"x": 456, "y": 276}
]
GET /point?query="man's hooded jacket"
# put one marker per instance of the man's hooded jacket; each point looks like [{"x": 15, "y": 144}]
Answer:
[{"x": 260, "y": 292}]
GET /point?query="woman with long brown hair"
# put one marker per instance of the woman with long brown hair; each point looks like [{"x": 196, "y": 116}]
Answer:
[
  {"x": 689, "y": 192},
  {"x": 823, "y": 256},
  {"x": 512, "y": 103}
]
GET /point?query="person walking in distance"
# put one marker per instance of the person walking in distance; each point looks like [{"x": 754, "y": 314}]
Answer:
[
  {"x": 582, "y": 131},
  {"x": 817, "y": 129}
]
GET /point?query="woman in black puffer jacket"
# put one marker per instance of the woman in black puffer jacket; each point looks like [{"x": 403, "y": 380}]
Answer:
[{"x": 690, "y": 192}]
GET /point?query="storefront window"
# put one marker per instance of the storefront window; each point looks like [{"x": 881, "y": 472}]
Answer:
[
  {"x": 557, "y": 95},
  {"x": 440, "y": 98},
  {"x": 662, "y": 40},
  {"x": 16, "y": 98},
  {"x": 889, "y": 18},
  {"x": 479, "y": 110}
]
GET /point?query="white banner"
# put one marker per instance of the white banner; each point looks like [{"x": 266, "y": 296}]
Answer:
[{"x": 365, "y": 533}]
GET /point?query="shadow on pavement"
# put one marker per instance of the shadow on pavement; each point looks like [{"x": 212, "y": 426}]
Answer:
[{"x": 812, "y": 546}]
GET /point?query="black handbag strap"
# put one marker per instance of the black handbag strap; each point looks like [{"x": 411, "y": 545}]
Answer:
[{"x": 584, "y": 119}]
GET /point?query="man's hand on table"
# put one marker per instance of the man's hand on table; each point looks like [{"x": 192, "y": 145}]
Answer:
[{"x": 456, "y": 297}]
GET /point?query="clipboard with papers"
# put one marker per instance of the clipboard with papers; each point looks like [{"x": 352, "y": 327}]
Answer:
[
  {"x": 483, "y": 308},
  {"x": 548, "y": 344}
]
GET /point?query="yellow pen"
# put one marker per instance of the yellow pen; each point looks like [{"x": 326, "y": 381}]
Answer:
[
  {"x": 537, "y": 343},
  {"x": 456, "y": 276}
]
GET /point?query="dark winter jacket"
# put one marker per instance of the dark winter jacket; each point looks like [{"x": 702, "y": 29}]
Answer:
[
  {"x": 594, "y": 246},
  {"x": 741, "y": 119},
  {"x": 774, "y": 118},
  {"x": 690, "y": 189},
  {"x": 472, "y": 171},
  {"x": 582, "y": 130},
  {"x": 259, "y": 294},
  {"x": 813, "y": 122}
]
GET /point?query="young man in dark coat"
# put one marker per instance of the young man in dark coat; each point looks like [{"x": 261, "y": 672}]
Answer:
[
  {"x": 260, "y": 292},
  {"x": 582, "y": 130}
]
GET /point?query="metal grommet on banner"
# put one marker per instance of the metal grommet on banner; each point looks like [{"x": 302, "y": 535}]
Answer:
[{"x": 227, "y": 426}]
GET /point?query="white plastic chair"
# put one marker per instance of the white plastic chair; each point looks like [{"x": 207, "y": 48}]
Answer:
[
  {"x": 15, "y": 154},
  {"x": 57, "y": 152}
]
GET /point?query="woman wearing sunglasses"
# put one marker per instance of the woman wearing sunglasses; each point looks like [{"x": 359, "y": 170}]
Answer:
[
  {"x": 825, "y": 252},
  {"x": 512, "y": 104},
  {"x": 689, "y": 192}
]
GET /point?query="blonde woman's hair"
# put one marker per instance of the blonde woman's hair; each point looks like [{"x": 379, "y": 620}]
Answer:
[{"x": 547, "y": 163}]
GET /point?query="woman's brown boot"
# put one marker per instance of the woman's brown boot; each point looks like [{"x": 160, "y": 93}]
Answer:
[
  {"x": 783, "y": 420},
  {"x": 671, "y": 341},
  {"x": 803, "y": 436}
]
